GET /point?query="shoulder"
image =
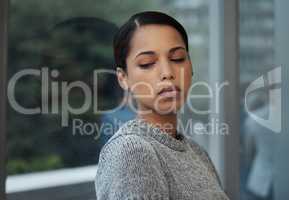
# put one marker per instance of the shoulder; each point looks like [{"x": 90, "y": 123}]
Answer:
[
  {"x": 124, "y": 149},
  {"x": 126, "y": 156},
  {"x": 128, "y": 165},
  {"x": 127, "y": 138}
]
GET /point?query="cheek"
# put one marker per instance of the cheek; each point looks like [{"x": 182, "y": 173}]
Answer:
[
  {"x": 142, "y": 88},
  {"x": 187, "y": 83},
  {"x": 188, "y": 76},
  {"x": 184, "y": 77},
  {"x": 141, "y": 82},
  {"x": 142, "y": 85}
]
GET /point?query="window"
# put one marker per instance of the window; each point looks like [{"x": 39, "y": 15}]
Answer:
[
  {"x": 263, "y": 89},
  {"x": 54, "y": 48}
]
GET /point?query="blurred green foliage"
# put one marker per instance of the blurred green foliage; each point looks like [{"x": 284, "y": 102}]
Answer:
[
  {"x": 36, "y": 164},
  {"x": 45, "y": 33}
]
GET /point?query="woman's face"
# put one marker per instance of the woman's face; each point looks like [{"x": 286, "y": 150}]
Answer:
[{"x": 158, "y": 59}]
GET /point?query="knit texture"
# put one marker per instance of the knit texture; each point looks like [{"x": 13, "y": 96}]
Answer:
[{"x": 142, "y": 162}]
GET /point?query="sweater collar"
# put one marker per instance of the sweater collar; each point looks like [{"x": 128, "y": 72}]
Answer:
[{"x": 142, "y": 127}]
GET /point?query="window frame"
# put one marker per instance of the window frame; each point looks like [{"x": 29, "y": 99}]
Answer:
[
  {"x": 281, "y": 179},
  {"x": 3, "y": 67},
  {"x": 224, "y": 67},
  {"x": 232, "y": 98}
]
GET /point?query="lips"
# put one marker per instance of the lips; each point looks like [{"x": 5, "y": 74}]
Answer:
[{"x": 171, "y": 91}]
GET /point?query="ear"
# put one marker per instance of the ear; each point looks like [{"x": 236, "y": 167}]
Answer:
[{"x": 122, "y": 78}]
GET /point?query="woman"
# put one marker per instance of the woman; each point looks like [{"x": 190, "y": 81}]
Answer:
[{"x": 147, "y": 158}]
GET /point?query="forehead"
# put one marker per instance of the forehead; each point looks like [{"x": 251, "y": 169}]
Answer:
[{"x": 155, "y": 38}]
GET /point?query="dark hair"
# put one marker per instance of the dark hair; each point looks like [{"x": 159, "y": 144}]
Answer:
[{"x": 122, "y": 38}]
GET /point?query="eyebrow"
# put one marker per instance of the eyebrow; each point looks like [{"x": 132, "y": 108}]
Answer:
[
  {"x": 176, "y": 48},
  {"x": 152, "y": 52}
]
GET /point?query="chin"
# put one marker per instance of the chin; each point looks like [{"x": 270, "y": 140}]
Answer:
[{"x": 168, "y": 108}]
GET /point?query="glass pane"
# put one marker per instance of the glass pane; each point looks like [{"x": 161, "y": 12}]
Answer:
[
  {"x": 54, "y": 49},
  {"x": 54, "y": 44},
  {"x": 256, "y": 63}
]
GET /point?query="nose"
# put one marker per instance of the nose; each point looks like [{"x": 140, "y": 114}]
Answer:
[{"x": 166, "y": 71}]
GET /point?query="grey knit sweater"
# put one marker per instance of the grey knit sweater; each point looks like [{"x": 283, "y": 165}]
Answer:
[{"x": 141, "y": 162}]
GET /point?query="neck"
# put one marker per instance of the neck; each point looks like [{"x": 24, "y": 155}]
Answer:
[{"x": 167, "y": 123}]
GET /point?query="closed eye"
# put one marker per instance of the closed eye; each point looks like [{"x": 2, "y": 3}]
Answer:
[
  {"x": 150, "y": 64},
  {"x": 145, "y": 65},
  {"x": 178, "y": 60}
]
